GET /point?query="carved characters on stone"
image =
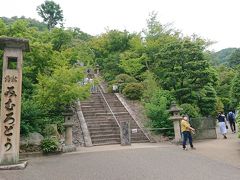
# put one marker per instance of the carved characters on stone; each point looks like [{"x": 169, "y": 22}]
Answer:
[
  {"x": 9, "y": 105},
  {"x": 9, "y": 78},
  {"x": 8, "y": 145},
  {"x": 9, "y": 120},
  {"x": 10, "y": 92}
]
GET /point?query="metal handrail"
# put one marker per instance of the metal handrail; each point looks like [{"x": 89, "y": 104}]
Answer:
[{"x": 109, "y": 108}]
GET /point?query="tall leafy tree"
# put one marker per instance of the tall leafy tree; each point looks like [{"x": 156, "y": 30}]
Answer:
[
  {"x": 60, "y": 89},
  {"x": 223, "y": 89},
  {"x": 51, "y": 13},
  {"x": 108, "y": 48},
  {"x": 207, "y": 100},
  {"x": 182, "y": 67},
  {"x": 234, "y": 59},
  {"x": 235, "y": 90}
]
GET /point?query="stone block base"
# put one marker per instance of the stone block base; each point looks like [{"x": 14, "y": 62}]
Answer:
[
  {"x": 69, "y": 148},
  {"x": 19, "y": 166}
]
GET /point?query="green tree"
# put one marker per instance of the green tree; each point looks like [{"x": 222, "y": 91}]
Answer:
[
  {"x": 60, "y": 38},
  {"x": 207, "y": 100},
  {"x": 51, "y": 13},
  {"x": 235, "y": 90},
  {"x": 234, "y": 59},
  {"x": 219, "y": 105},
  {"x": 183, "y": 68},
  {"x": 190, "y": 110},
  {"x": 3, "y": 27},
  {"x": 131, "y": 63},
  {"x": 158, "y": 115},
  {"x": 107, "y": 49},
  {"x": 223, "y": 88},
  {"x": 61, "y": 89}
]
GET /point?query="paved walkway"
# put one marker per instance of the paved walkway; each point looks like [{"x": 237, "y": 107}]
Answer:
[
  {"x": 217, "y": 159},
  {"x": 224, "y": 150}
]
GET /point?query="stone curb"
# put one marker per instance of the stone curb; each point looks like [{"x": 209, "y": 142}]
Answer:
[{"x": 18, "y": 166}]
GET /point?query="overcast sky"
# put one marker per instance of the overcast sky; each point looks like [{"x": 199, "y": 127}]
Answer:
[{"x": 216, "y": 20}]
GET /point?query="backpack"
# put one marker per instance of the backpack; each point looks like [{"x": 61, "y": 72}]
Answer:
[{"x": 230, "y": 116}]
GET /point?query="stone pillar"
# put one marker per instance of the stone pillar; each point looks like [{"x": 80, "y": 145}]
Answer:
[
  {"x": 175, "y": 117},
  {"x": 69, "y": 146},
  {"x": 11, "y": 98},
  {"x": 125, "y": 133}
]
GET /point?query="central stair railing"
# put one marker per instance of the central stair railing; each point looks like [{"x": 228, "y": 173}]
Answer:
[{"x": 110, "y": 109}]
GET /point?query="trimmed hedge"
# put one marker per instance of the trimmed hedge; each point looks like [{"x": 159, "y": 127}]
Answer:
[{"x": 133, "y": 91}]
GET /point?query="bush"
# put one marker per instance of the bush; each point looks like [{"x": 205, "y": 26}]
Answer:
[
  {"x": 30, "y": 121},
  {"x": 159, "y": 117},
  {"x": 122, "y": 80},
  {"x": 133, "y": 91},
  {"x": 190, "y": 110},
  {"x": 50, "y": 145}
]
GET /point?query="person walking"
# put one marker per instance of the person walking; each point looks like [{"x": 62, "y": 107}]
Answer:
[
  {"x": 186, "y": 130},
  {"x": 222, "y": 124},
  {"x": 231, "y": 119}
]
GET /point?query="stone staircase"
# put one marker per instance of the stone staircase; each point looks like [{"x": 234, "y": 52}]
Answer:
[{"x": 101, "y": 124}]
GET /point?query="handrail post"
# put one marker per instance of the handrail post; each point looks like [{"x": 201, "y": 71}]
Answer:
[{"x": 110, "y": 108}]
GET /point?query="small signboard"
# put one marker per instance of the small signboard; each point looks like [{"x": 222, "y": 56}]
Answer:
[{"x": 134, "y": 131}]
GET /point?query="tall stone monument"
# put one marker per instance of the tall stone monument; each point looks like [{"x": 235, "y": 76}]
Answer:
[{"x": 11, "y": 98}]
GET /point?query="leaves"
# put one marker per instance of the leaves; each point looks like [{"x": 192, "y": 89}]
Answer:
[
  {"x": 51, "y": 13},
  {"x": 60, "y": 89}
]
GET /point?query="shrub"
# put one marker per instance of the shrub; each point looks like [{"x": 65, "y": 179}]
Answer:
[
  {"x": 30, "y": 121},
  {"x": 133, "y": 91},
  {"x": 190, "y": 110},
  {"x": 51, "y": 130},
  {"x": 207, "y": 100},
  {"x": 122, "y": 80},
  {"x": 159, "y": 116},
  {"x": 50, "y": 145}
]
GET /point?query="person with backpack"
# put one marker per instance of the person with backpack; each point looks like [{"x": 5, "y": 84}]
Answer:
[{"x": 231, "y": 120}]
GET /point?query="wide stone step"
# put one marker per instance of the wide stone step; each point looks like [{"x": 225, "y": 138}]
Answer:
[
  {"x": 139, "y": 141},
  {"x": 104, "y": 114},
  {"x": 102, "y": 123},
  {"x": 106, "y": 142},
  {"x": 115, "y": 113},
  {"x": 93, "y": 109},
  {"x": 110, "y": 95},
  {"x": 89, "y": 111},
  {"x": 101, "y": 120},
  {"x": 103, "y": 136},
  {"x": 97, "y": 118},
  {"x": 107, "y": 131},
  {"x": 114, "y": 103},
  {"x": 91, "y": 103},
  {"x": 101, "y": 126},
  {"x": 93, "y": 129}
]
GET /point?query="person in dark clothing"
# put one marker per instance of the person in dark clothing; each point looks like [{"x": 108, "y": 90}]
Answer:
[
  {"x": 231, "y": 120},
  {"x": 222, "y": 124}
]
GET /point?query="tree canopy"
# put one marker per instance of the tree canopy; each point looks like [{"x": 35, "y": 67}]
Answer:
[
  {"x": 162, "y": 61},
  {"x": 51, "y": 13}
]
